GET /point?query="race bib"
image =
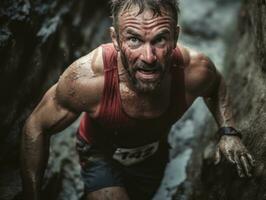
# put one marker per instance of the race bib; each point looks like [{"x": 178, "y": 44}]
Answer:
[{"x": 135, "y": 155}]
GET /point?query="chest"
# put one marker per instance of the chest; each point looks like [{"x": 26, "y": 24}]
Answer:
[
  {"x": 143, "y": 107},
  {"x": 171, "y": 100},
  {"x": 146, "y": 121}
]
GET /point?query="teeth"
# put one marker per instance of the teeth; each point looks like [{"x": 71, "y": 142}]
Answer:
[{"x": 145, "y": 70}]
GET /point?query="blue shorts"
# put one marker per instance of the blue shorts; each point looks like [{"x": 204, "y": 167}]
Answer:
[{"x": 141, "y": 180}]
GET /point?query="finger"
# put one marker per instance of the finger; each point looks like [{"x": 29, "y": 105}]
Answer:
[
  {"x": 217, "y": 156},
  {"x": 230, "y": 157},
  {"x": 245, "y": 164},
  {"x": 251, "y": 160},
  {"x": 238, "y": 165}
]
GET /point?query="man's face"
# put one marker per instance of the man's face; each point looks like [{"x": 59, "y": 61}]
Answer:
[{"x": 146, "y": 42}]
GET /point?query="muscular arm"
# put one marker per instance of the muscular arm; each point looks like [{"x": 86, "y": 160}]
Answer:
[
  {"x": 217, "y": 99},
  {"x": 49, "y": 117},
  {"x": 204, "y": 80},
  {"x": 230, "y": 146},
  {"x": 78, "y": 90}
]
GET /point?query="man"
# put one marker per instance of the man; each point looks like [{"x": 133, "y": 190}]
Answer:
[{"x": 131, "y": 91}]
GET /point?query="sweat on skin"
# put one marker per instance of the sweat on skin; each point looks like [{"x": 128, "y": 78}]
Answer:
[{"x": 144, "y": 43}]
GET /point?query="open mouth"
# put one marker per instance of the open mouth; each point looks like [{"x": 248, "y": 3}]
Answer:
[{"x": 148, "y": 74}]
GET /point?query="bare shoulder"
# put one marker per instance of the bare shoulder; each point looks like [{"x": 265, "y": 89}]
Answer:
[
  {"x": 201, "y": 75},
  {"x": 80, "y": 86}
]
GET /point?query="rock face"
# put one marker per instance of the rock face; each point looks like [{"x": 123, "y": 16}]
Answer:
[
  {"x": 38, "y": 40},
  {"x": 246, "y": 78}
]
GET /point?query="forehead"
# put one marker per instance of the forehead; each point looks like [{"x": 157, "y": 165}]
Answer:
[{"x": 146, "y": 19}]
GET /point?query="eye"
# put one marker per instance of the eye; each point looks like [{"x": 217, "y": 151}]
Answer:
[
  {"x": 160, "y": 41},
  {"x": 134, "y": 41}
]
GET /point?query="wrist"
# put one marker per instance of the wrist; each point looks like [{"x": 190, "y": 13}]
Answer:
[{"x": 229, "y": 131}]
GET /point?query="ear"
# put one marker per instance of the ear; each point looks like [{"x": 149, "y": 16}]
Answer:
[
  {"x": 177, "y": 31},
  {"x": 114, "y": 38}
]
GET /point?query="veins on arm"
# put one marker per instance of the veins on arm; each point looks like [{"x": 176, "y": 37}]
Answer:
[
  {"x": 59, "y": 107},
  {"x": 219, "y": 104},
  {"x": 47, "y": 118}
]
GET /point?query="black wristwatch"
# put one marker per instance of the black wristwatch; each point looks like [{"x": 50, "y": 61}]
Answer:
[{"x": 229, "y": 131}]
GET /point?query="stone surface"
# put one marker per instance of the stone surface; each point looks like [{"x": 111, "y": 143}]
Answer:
[
  {"x": 38, "y": 40},
  {"x": 246, "y": 79},
  {"x": 245, "y": 75}
]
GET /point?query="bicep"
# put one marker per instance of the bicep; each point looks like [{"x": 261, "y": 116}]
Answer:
[{"x": 50, "y": 116}]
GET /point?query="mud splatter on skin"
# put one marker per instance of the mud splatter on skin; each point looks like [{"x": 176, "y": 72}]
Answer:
[
  {"x": 32, "y": 178},
  {"x": 146, "y": 41},
  {"x": 81, "y": 68},
  {"x": 35, "y": 140},
  {"x": 76, "y": 78},
  {"x": 230, "y": 146}
]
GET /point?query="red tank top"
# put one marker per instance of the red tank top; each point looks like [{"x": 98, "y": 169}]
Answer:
[{"x": 112, "y": 123}]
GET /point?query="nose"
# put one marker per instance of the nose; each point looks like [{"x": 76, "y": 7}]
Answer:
[{"x": 148, "y": 56}]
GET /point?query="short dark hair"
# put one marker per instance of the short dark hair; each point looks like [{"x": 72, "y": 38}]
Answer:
[{"x": 155, "y": 5}]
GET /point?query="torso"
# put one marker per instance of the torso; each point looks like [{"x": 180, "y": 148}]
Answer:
[
  {"x": 137, "y": 121},
  {"x": 140, "y": 107}
]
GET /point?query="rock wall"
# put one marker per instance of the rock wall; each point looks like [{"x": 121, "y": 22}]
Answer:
[
  {"x": 38, "y": 40},
  {"x": 246, "y": 78}
]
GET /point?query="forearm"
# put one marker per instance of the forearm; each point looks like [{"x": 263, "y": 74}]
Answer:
[
  {"x": 230, "y": 145},
  {"x": 34, "y": 155},
  {"x": 219, "y": 105}
]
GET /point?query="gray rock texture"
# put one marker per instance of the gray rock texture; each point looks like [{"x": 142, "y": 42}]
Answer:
[
  {"x": 38, "y": 40},
  {"x": 245, "y": 75},
  {"x": 245, "y": 71}
]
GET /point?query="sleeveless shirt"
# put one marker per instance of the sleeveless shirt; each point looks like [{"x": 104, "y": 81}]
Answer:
[{"x": 112, "y": 126}]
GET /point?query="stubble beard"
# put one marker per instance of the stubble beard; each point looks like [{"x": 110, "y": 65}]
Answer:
[{"x": 141, "y": 86}]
